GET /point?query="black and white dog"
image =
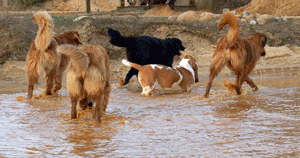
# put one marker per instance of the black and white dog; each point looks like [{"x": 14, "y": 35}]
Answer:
[{"x": 145, "y": 50}]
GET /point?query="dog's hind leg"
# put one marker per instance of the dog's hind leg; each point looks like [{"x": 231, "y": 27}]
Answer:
[
  {"x": 129, "y": 75},
  {"x": 216, "y": 66},
  {"x": 100, "y": 107},
  {"x": 50, "y": 81},
  {"x": 251, "y": 83},
  {"x": 74, "y": 101},
  {"x": 32, "y": 79},
  {"x": 62, "y": 67},
  {"x": 239, "y": 81},
  {"x": 107, "y": 90}
]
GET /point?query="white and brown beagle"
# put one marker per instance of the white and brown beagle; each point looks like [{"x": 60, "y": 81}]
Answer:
[{"x": 178, "y": 78}]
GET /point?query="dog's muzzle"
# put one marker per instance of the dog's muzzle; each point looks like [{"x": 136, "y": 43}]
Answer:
[
  {"x": 182, "y": 48},
  {"x": 263, "y": 54}
]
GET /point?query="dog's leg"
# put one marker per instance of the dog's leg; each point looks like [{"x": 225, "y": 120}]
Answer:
[
  {"x": 73, "y": 108},
  {"x": 129, "y": 75},
  {"x": 238, "y": 82},
  {"x": 32, "y": 76},
  {"x": 62, "y": 67},
  {"x": 251, "y": 83},
  {"x": 50, "y": 81},
  {"x": 99, "y": 108},
  {"x": 32, "y": 79},
  {"x": 107, "y": 90},
  {"x": 216, "y": 66}
]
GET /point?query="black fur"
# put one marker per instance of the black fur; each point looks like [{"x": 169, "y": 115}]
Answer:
[{"x": 145, "y": 50}]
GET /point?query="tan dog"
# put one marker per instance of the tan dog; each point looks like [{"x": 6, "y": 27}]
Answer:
[
  {"x": 88, "y": 77},
  {"x": 239, "y": 54},
  {"x": 178, "y": 78},
  {"x": 42, "y": 56}
]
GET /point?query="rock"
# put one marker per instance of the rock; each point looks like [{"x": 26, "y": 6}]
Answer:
[
  {"x": 257, "y": 15},
  {"x": 278, "y": 52},
  {"x": 188, "y": 16},
  {"x": 225, "y": 10},
  {"x": 173, "y": 18},
  {"x": 234, "y": 12},
  {"x": 261, "y": 21},
  {"x": 249, "y": 17},
  {"x": 285, "y": 19},
  {"x": 265, "y": 17},
  {"x": 277, "y": 16},
  {"x": 243, "y": 20},
  {"x": 206, "y": 16},
  {"x": 246, "y": 13},
  {"x": 252, "y": 22}
]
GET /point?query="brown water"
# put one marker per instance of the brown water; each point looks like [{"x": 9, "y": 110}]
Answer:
[{"x": 265, "y": 123}]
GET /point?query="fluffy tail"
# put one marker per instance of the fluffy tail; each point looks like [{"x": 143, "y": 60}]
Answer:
[
  {"x": 45, "y": 34},
  {"x": 78, "y": 57},
  {"x": 233, "y": 32},
  {"x": 136, "y": 66}
]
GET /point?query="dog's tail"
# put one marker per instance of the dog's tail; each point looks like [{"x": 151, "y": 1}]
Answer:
[
  {"x": 45, "y": 34},
  {"x": 134, "y": 65},
  {"x": 233, "y": 32},
  {"x": 78, "y": 57}
]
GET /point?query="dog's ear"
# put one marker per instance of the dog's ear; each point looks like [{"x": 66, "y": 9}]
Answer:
[{"x": 263, "y": 40}]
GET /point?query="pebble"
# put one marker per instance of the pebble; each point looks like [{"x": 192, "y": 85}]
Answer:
[
  {"x": 261, "y": 21},
  {"x": 225, "y": 10},
  {"x": 246, "y": 13},
  {"x": 252, "y": 22}
]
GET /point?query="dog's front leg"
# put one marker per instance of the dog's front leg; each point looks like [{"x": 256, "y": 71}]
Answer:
[
  {"x": 129, "y": 75},
  {"x": 251, "y": 83}
]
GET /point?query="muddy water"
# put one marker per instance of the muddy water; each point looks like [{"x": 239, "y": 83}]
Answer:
[{"x": 265, "y": 123}]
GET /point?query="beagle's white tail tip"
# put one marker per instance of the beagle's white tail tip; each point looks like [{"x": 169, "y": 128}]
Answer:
[{"x": 125, "y": 62}]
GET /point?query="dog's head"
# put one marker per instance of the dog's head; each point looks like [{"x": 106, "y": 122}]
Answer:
[
  {"x": 175, "y": 45},
  {"x": 72, "y": 37},
  {"x": 192, "y": 62},
  {"x": 115, "y": 37},
  {"x": 260, "y": 41}
]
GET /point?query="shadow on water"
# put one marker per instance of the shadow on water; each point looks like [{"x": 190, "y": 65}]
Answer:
[{"x": 265, "y": 123}]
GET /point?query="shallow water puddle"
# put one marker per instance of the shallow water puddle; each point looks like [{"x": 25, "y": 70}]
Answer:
[{"x": 265, "y": 123}]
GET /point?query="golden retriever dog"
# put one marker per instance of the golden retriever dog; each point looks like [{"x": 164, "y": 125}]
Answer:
[
  {"x": 42, "y": 56},
  {"x": 237, "y": 53},
  {"x": 171, "y": 79},
  {"x": 88, "y": 77}
]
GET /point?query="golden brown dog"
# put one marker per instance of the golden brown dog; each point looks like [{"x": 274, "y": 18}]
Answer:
[
  {"x": 88, "y": 77},
  {"x": 177, "y": 78},
  {"x": 239, "y": 54},
  {"x": 42, "y": 56}
]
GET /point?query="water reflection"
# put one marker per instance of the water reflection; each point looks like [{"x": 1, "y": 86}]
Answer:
[{"x": 265, "y": 123}]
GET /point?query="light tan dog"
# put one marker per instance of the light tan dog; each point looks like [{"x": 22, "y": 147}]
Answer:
[
  {"x": 88, "y": 77},
  {"x": 178, "y": 78},
  {"x": 239, "y": 54},
  {"x": 42, "y": 56}
]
